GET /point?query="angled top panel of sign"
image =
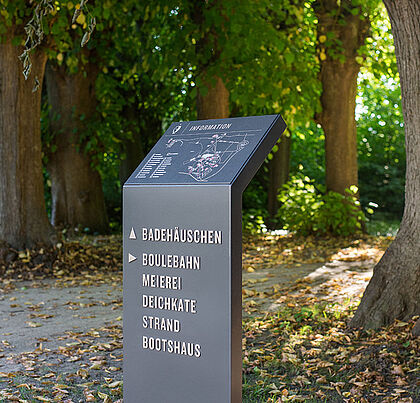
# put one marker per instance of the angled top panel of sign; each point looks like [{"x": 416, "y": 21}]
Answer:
[{"x": 207, "y": 151}]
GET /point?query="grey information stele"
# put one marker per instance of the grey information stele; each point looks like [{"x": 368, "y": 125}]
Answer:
[{"x": 182, "y": 238}]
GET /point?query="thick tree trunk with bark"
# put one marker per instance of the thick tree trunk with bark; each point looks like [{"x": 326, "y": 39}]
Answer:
[
  {"x": 338, "y": 100},
  {"x": 23, "y": 217},
  {"x": 339, "y": 88},
  {"x": 215, "y": 103},
  {"x": 278, "y": 171},
  {"x": 212, "y": 94},
  {"x": 76, "y": 188},
  {"x": 394, "y": 290}
]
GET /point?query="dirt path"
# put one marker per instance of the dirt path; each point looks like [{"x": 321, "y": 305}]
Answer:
[
  {"x": 45, "y": 316},
  {"x": 333, "y": 282}
]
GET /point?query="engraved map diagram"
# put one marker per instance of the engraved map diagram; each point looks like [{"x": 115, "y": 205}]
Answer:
[
  {"x": 207, "y": 155},
  {"x": 213, "y": 151}
]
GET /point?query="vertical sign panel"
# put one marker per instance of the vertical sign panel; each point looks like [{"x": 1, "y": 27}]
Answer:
[
  {"x": 182, "y": 260},
  {"x": 177, "y": 294}
]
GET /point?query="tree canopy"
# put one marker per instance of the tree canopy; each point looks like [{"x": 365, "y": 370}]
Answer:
[{"x": 119, "y": 72}]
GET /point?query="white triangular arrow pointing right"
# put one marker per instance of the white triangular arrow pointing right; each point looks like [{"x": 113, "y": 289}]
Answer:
[{"x": 131, "y": 258}]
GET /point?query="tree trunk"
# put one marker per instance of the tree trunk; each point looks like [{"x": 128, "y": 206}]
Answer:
[
  {"x": 76, "y": 189},
  {"x": 394, "y": 290},
  {"x": 134, "y": 154},
  {"x": 215, "y": 103},
  {"x": 278, "y": 171},
  {"x": 212, "y": 94},
  {"x": 23, "y": 218},
  {"x": 339, "y": 82},
  {"x": 339, "y": 89}
]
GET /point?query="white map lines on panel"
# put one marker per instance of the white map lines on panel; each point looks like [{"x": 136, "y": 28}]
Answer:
[{"x": 209, "y": 154}]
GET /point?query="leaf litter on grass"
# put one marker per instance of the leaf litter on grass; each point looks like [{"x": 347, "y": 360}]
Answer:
[
  {"x": 301, "y": 352},
  {"x": 304, "y": 351}
]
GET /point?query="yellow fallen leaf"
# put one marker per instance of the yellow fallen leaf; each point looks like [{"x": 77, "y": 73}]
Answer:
[
  {"x": 89, "y": 396},
  {"x": 43, "y": 399},
  {"x": 397, "y": 370},
  {"x": 96, "y": 365},
  {"x": 321, "y": 379},
  {"x": 115, "y": 384},
  {"x": 83, "y": 373},
  {"x": 103, "y": 395},
  {"x": 355, "y": 358},
  {"x": 33, "y": 324},
  {"x": 24, "y": 385},
  {"x": 7, "y": 375}
]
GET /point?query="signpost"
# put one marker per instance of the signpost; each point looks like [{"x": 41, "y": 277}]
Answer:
[{"x": 182, "y": 237}]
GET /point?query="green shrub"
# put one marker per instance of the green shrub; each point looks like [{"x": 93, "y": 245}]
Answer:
[{"x": 306, "y": 209}]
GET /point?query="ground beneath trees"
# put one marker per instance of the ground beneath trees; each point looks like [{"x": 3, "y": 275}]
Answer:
[{"x": 61, "y": 326}]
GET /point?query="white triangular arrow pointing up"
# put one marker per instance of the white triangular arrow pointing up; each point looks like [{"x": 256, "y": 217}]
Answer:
[
  {"x": 132, "y": 234},
  {"x": 131, "y": 258}
]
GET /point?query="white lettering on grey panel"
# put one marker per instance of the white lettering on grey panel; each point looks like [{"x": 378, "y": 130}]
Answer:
[
  {"x": 171, "y": 261},
  {"x": 182, "y": 235},
  {"x": 172, "y": 346}
]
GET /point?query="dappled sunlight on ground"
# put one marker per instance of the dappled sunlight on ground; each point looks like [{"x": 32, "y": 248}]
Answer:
[
  {"x": 298, "y": 295},
  {"x": 297, "y": 346},
  {"x": 270, "y": 250}
]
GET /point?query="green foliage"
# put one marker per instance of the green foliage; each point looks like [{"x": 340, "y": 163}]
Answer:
[
  {"x": 14, "y": 13},
  {"x": 378, "y": 51},
  {"x": 279, "y": 73},
  {"x": 332, "y": 17},
  {"x": 253, "y": 221},
  {"x": 381, "y": 145},
  {"x": 307, "y": 209},
  {"x": 308, "y": 152},
  {"x": 142, "y": 88},
  {"x": 252, "y": 46},
  {"x": 307, "y": 159},
  {"x": 383, "y": 224},
  {"x": 152, "y": 57},
  {"x": 138, "y": 95}
]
